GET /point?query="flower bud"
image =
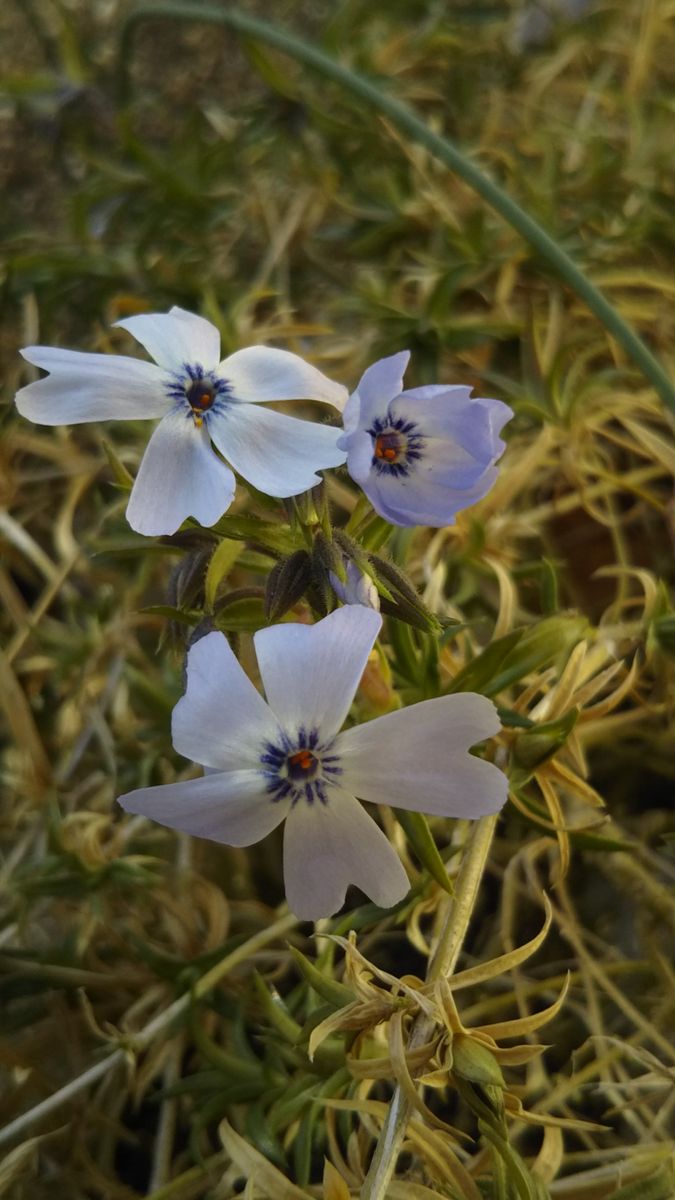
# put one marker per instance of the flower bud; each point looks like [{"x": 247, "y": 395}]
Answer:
[
  {"x": 287, "y": 583},
  {"x": 534, "y": 746},
  {"x": 357, "y": 588},
  {"x": 473, "y": 1061}
]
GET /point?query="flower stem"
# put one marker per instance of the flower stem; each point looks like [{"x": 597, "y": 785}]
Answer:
[
  {"x": 409, "y": 123},
  {"x": 443, "y": 960},
  {"x": 142, "y": 1039}
]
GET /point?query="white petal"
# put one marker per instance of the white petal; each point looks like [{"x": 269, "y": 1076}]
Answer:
[
  {"x": 229, "y": 806},
  {"x": 327, "y": 847},
  {"x": 221, "y": 721},
  {"x": 91, "y": 387},
  {"x": 180, "y": 476},
  {"x": 311, "y": 672},
  {"x": 359, "y": 449},
  {"x": 379, "y": 385},
  {"x": 417, "y": 758},
  {"x": 279, "y": 455},
  {"x": 176, "y": 338},
  {"x": 261, "y": 373}
]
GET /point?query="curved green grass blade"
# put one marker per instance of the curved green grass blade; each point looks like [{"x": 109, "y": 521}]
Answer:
[{"x": 409, "y": 123}]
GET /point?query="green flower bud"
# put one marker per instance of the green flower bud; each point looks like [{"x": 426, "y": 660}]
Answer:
[
  {"x": 473, "y": 1061},
  {"x": 536, "y": 745},
  {"x": 287, "y": 583}
]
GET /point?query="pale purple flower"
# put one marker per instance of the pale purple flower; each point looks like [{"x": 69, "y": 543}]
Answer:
[
  {"x": 286, "y": 758},
  {"x": 201, "y": 400},
  {"x": 423, "y": 455},
  {"x": 357, "y": 588}
]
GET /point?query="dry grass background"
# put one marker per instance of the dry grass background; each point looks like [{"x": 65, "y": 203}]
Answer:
[{"x": 238, "y": 186}]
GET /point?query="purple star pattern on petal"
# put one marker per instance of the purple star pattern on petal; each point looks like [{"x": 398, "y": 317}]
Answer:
[
  {"x": 202, "y": 402},
  {"x": 288, "y": 759}
]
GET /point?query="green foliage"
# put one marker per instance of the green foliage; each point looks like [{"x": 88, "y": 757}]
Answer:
[{"x": 242, "y": 186}]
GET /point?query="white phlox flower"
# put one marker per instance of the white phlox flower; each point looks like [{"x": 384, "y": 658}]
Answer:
[
  {"x": 200, "y": 400},
  {"x": 288, "y": 759}
]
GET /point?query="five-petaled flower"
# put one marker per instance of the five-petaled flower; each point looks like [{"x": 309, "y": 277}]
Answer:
[
  {"x": 288, "y": 759},
  {"x": 200, "y": 400},
  {"x": 423, "y": 455}
]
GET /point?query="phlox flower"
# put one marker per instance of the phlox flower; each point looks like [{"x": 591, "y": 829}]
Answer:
[
  {"x": 357, "y": 588},
  {"x": 201, "y": 401},
  {"x": 288, "y": 759},
  {"x": 422, "y": 455}
]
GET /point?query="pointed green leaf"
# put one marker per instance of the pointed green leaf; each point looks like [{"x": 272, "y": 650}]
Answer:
[
  {"x": 122, "y": 477},
  {"x": 535, "y": 746},
  {"x": 416, "y": 829},
  {"x": 477, "y": 675},
  {"x": 335, "y": 993},
  {"x": 222, "y": 560}
]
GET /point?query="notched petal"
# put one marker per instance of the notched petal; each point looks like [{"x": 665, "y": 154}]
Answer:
[{"x": 328, "y": 847}]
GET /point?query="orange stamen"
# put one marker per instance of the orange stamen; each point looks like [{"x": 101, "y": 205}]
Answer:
[
  {"x": 303, "y": 759},
  {"x": 384, "y": 449}
]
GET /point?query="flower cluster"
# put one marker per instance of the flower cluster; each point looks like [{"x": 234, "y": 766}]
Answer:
[{"x": 420, "y": 456}]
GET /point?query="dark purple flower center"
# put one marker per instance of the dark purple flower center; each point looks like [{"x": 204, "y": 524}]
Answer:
[
  {"x": 200, "y": 396},
  {"x": 298, "y": 768},
  {"x": 397, "y": 445},
  {"x": 198, "y": 391}
]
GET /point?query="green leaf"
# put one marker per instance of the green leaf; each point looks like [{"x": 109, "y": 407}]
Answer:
[
  {"x": 550, "y": 601},
  {"x": 173, "y": 614},
  {"x": 538, "y": 646},
  {"x": 123, "y": 477},
  {"x": 375, "y": 533},
  {"x": 335, "y": 993},
  {"x": 657, "y": 1187},
  {"x": 518, "y": 653},
  {"x": 265, "y": 534},
  {"x": 222, "y": 560},
  {"x": 536, "y": 745},
  {"x": 243, "y": 615},
  {"x": 663, "y": 632},
  {"x": 123, "y": 545},
  {"x": 228, "y": 1064},
  {"x": 586, "y": 840},
  {"x": 276, "y": 1012},
  {"x": 416, "y": 829},
  {"x": 477, "y": 675}
]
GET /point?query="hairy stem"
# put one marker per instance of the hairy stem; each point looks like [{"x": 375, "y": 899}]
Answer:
[
  {"x": 408, "y": 122},
  {"x": 443, "y": 960}
]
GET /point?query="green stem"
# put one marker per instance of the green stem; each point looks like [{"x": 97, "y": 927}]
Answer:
[
  {"x": 409, "y": 123},
  {"x": 458, "y": 914}
]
